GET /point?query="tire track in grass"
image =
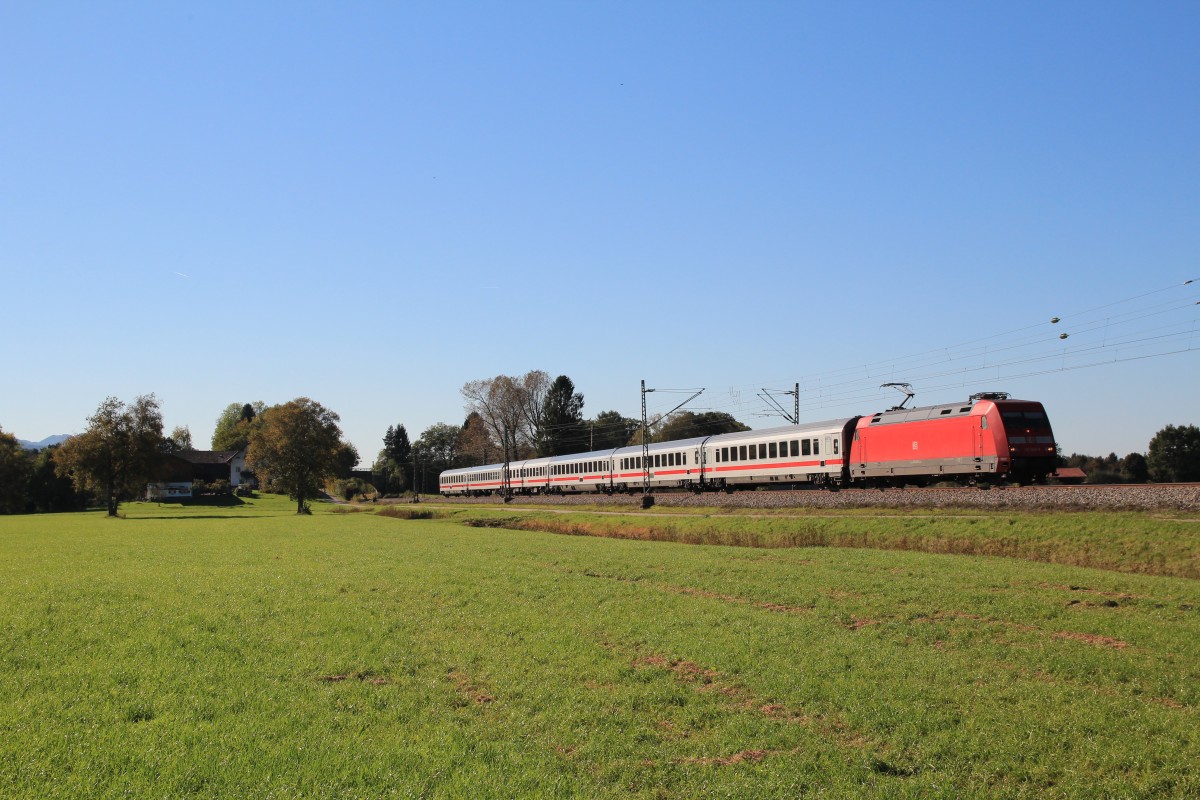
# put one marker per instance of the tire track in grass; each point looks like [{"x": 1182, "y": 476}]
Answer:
[
  {"x": 858, "y": 623},
  {"x": 708, "y": 681}
]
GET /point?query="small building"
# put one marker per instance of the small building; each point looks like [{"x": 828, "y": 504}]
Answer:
[
  {"x": 1069, "y": 475},
  {"x": 186, "y": 467}
]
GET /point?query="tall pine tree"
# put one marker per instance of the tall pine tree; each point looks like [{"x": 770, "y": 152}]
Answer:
[{"x": 563, "y": 430}]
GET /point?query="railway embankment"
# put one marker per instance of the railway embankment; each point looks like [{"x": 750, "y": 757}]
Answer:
[{"x": 1152, "y": 497}]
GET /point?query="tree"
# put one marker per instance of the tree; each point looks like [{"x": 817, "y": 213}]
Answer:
[
  {"x": 15, "y": 469},
  {"x": 689, "y": 425},
  {"x": 1134, "y": 469},
  {"x": 297, "y": 446},
  {"x": 563, "y": 430},
  {"x": 1174, "y": 454},
  {"x": 436, "y": 450},
  {"x": 235, "y": 425},
  {"x": 399, "y": 452},
  {"x": 476, "y": 445},
  {"x": 511, "y": 409},
  {"x": 119, "y": 453},
  {"x": 50, "y": 491},
  {"x": 180, "y": 439},
  {"x": 610, "y": 430}
]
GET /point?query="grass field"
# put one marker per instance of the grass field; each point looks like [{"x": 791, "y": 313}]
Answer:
[{"x": 248, "y": 652}]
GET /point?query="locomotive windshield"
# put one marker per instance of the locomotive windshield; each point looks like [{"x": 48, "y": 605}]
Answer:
[{"x": 1025, "y": 419}]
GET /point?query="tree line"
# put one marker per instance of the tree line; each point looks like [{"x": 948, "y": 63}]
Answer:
[
  {"x": 292, "y": 448},
  {"x": 1173, "y": 456}
]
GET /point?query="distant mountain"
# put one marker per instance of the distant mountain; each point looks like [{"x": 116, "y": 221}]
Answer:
[{"x": 49, "y": 440}]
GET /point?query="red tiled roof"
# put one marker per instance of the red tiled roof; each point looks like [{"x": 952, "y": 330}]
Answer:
[{"x": 1069, "y": 472}]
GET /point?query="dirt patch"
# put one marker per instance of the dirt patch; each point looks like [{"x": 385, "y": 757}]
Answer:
[
  {"x": 1168, "y": 702},
  {"x": 468, "y": 690},
  {"x": 751, "y": 756},
  {"x": 1091, "y": 638},
  {"x": 365, "y": 676},
  {"x": 857, "y": 623}
]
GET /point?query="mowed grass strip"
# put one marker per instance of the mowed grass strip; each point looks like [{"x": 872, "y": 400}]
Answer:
[
  {"x": 1136, "y": 542},
  {"x": 250, "y": 652}
]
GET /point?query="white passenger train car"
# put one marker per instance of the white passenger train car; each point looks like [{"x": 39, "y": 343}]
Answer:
[{"x": 814, "y": 453}]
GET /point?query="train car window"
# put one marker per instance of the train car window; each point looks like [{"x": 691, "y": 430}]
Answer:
[
  {"x": 816, "y": 447},
  {"x": 964, "y": 410},
  {"x": 806, "y": 447},
  {"x": 947, "y": 410},
  {"x": 723, "y": 454},
  {"x": 835, "y": 447},
  {"x": 674, "y": 459},
  {"x": 742, "y": 452},
  {"x": 982, "y": 424},
  {"x": 762, "y": 450},
  {"x": 684, "y": 461},
  {"x": 795, "y": 448},
  {"x": 772, "y": 452}
]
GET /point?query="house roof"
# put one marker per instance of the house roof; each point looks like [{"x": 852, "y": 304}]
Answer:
[
  {"x": 208, "y": 456},
  {"x": 1070, "y": 472}
]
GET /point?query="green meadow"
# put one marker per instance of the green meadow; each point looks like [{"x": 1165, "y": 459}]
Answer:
[{"x": 247, "y": 652}]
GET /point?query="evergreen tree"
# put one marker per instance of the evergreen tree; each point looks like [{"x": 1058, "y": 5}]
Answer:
[{"x": 562, "y": 430}]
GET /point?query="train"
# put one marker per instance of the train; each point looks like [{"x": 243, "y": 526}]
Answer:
[{"x": 988, "y": 439}]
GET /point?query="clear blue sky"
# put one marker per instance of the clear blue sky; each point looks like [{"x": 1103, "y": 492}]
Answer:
[{"x": 371, "y": 204}]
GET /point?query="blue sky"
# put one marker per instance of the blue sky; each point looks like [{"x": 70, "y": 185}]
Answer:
[{"x": 371, "y": 204}]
